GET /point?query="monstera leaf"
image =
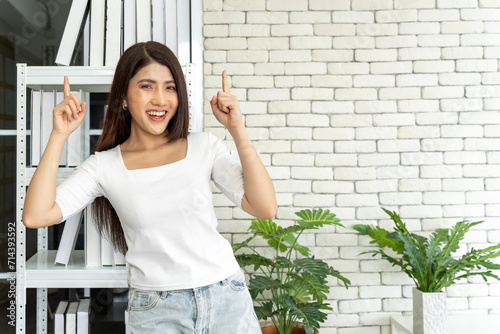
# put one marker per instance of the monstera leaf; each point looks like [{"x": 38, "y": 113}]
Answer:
[{"x": 292, "y": 285}]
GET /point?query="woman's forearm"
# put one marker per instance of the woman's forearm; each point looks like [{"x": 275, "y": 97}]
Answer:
[
  {"x": 39, "y": 206},
  {"x": 260, "y": 198}
]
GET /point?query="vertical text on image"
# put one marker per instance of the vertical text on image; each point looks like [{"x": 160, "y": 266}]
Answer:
[
  {"x": 11, "y": 246},
  {"x": 11, "y": 265},
  {"x": 11, "y": 306}
]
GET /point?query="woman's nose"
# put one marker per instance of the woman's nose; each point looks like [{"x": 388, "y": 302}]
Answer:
[{"x": 158, "y": 98}]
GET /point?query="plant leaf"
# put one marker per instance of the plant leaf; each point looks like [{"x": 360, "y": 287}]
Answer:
[
  {"x": 265, "y": 310},
  {"x": 310, "y": 314},
  {"x": 292, "y": 240},
  {"x": 314, "y": 288},
  {"x": 379, "y": 236},
  {"x": 282, "y": 282},
  {"x": 240, "y": 245},
  {"x": 269, "y": 231},
  {"x": 255, "y": 260},
  {"x": 413, "y": 255},
  {"x": 258, "y": 284},
  {"x": 430, "y": 261},
  {"x": 336, "y": 273},
  {"x": 432, "y": 252},
  {"x": 317, "y": 218},
  {"x": 299, "y": 292},
  {"x": 317, "y": 268}
]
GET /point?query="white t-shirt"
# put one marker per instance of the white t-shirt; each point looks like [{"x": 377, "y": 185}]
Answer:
[{"x": 166, "y": 212}]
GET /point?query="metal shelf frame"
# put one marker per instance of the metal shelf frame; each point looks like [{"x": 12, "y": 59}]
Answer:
[{"x": 39, "y": 271}]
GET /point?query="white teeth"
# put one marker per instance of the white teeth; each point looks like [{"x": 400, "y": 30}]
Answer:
[{"x": 156, "y": 113}]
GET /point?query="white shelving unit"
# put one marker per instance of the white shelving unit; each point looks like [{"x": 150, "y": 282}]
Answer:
[{"x": 39, "y": 271}]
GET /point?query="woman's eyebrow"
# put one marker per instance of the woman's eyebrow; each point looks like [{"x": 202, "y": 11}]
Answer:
[{"x": 154, "y": 81}]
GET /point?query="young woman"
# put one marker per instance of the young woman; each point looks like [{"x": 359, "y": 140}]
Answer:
[{"x": 149, "y": 181}]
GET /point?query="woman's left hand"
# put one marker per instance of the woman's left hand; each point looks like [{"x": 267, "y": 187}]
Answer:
[{"x": 226, "y": 107}]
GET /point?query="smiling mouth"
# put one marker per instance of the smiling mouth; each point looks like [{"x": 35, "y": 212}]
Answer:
[{"x": 155, "y": 113}]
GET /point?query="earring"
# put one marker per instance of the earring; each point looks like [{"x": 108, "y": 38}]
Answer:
[{"x": 125, "y": 108}]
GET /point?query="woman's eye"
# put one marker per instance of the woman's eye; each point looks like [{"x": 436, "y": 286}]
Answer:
[
  {"x": 146, "y": 86},
  {"x": 171, "y": 87}
]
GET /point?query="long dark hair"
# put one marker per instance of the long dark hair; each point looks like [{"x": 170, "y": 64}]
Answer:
[{"x": 116, "y": 128}]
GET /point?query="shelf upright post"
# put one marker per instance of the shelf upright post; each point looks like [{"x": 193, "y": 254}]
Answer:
[
  {"x": 20, "y": 193},
  {"x": 41, "y": 293},
  {"x": 194, "y": 93},
  {"x": 188, "y": 69}
]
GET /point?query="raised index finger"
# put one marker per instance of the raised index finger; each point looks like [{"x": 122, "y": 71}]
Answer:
[
  {"x": 225, "y": 84},
  {"x": 67, "y": 90}
]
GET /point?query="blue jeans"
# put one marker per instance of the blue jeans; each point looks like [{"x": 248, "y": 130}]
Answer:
[{"x": 220, "y": 308}]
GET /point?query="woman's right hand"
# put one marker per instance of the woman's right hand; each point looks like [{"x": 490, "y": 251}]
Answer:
[{"x": 69, "y": 114}]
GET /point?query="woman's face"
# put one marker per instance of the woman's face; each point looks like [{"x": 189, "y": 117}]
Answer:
[{"x": 152, "y": 99}]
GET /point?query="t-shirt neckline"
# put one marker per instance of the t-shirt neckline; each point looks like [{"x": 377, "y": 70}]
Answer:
[{"x": 156, "y": 167}]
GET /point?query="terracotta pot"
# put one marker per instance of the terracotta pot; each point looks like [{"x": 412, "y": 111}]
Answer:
[{"x": 267, "y": 327}]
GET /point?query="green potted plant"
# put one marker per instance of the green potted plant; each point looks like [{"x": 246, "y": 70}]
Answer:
[
  {"x": 431, "y": 264},
  {"x": 288, "y": 288}
]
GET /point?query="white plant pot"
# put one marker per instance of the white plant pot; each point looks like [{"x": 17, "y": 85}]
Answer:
[{"x": 429, "y": 312}]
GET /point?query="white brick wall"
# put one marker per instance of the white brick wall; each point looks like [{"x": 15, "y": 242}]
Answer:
[{"x": 356, "y": 104}]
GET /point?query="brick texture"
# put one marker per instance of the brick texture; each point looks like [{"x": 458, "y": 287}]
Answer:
[{"x": 354, "y": 105}]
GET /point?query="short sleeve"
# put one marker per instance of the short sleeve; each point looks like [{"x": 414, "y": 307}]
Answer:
[
  {"x": 79, "y": 189},
  {"x": 227, "y": 173}
]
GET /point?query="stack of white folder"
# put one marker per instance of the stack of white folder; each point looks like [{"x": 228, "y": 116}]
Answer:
[
  {"x": 72, "y": 317},
  {"x": 42, "y": 106},
  {"x": 98, "y": 250},
  {"x": 117, "y": 24}
]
